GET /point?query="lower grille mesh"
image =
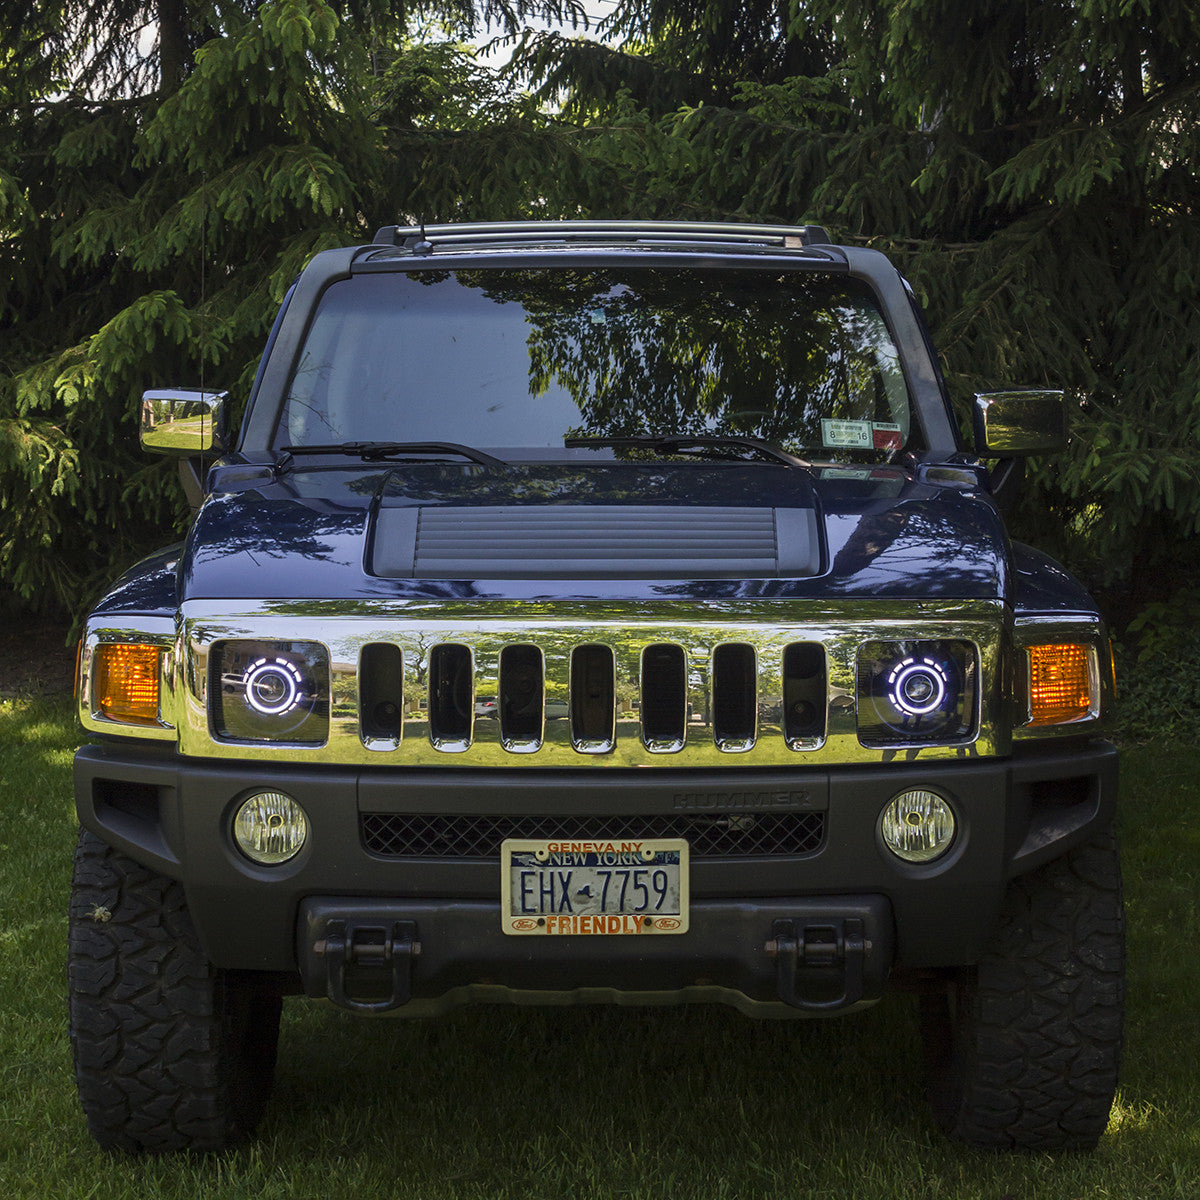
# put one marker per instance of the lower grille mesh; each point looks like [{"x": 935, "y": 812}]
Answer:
[{"x": 474, "y": 837}]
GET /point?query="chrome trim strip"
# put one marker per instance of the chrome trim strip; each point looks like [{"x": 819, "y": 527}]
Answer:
[{"x": 558, "y": 629}]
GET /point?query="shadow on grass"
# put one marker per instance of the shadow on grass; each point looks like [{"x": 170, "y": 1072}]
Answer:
[{"x": 586, "y": 1099}]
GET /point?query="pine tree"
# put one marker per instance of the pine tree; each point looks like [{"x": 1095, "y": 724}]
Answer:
[
  {"x": 1030, "y": 165},
  {"x": 154, "y": 208}
]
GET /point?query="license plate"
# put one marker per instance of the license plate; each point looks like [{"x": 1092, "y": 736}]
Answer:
[{"x": 558, "y": 886}]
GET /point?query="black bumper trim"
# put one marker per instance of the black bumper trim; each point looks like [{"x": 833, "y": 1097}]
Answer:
[
  {"x": 1013, "y": 815},
  {"x": 447, "y": 945}
]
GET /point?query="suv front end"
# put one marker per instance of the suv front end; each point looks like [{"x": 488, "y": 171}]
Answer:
[{"x": 608, "y": 613}]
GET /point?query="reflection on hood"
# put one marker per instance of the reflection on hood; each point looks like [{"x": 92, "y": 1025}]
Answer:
[{"x": 706, "y": 531}]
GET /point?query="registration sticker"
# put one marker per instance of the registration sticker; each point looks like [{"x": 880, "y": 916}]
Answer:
[
  {"x": 856, "y": 473},
  {"x": 886, "y": 435},
  {"x": 559, "y": 886},
  {"x": 847, "y": 435}
]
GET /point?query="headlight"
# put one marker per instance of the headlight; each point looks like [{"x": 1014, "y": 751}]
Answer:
[
  {"x": 270, "y": 691},
  {"x": 917, "y": 693}
]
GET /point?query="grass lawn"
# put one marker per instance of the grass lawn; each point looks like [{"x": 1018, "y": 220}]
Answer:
[{"x": 596, "y": 1102}]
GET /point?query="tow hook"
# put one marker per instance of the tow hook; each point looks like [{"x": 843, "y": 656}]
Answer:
[
  {"x": 794, "y": 945},
  {"x": 345, "y": 946}
]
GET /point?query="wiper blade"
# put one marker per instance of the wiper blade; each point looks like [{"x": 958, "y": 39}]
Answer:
[
  {"x": 680, "y": 442},
  {"x": 378, "y": 451}
]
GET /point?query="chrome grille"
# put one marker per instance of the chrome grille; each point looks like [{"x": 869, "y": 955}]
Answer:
[
  {"x": 477, "y": 837},
  {"x": 577, "y": 684},
  {"x": 512, "y": 694}
]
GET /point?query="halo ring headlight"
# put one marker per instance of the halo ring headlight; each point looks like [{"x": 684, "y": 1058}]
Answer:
[
  {"x": 265, "y": 691},
  {"x": 272, "y": 686},
  {"x": 917, "y": 693},
  {"x": 918, "y": 686}
]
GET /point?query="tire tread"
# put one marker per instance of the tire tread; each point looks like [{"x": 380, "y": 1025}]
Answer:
[
  {"x": 154, "y": 1066},
  {"x": 1031, "y": 1059}
]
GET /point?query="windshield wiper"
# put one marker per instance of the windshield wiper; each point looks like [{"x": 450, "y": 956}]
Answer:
[
  {"x": 678, "y": 443},
  {"x": 378, "y": 451}
]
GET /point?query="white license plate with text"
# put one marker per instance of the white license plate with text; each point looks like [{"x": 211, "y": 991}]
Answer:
[{"x": 561, "y": 886}]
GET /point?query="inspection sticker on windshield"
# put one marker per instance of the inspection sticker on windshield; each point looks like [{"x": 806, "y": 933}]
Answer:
[
  {"x": 568, "y": 886},
  {"x": 849, "y": 435},
  {"x": 886, "y": 435},
  {"x": 858, "y": 474}
]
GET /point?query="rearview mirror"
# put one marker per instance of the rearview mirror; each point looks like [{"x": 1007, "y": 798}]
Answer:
[
  {"x": 1014, "y": 424},
  {"x": 183, "y": 423}
]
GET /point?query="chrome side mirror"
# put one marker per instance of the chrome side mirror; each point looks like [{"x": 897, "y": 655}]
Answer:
[
  {"x": 1014, "y": 424},
  {"x": 183, "y": 423}
]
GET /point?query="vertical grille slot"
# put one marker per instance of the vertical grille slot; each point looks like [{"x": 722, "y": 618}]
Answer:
[
  {"x": 522, "y": 698},
  {"x": 664, "y": 698},
  {"x": 593, "y": 699},
  {"x": 451, "y": 697},
  {"x": 734, "y": 684},
  {"x": 380, "y": 696},
  {"x": 805, "y": 692}
]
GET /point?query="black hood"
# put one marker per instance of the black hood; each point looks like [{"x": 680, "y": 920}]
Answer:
[{"x": 547, "y": 530}]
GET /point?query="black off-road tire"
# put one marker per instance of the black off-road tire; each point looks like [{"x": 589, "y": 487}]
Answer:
[
  {"x": 1024, "y": 1049},
  {"x": 170, "y": 1053}
]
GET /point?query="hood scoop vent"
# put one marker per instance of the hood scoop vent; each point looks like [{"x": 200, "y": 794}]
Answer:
[{"x": 565, "y": 541}]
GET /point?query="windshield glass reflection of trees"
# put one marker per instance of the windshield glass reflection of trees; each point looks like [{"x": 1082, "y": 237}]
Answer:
[{"x": 524, "y": 358}]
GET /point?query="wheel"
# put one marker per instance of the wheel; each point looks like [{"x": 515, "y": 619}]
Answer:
[
  {"x": 170, "y": 1052},
  {"x": 1024, "y": 1048}
]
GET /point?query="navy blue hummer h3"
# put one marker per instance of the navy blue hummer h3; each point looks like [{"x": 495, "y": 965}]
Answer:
[{"x": 597, "y": 612}]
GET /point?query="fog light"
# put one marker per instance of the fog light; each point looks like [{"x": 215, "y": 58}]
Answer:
[
  {"x": 270, "y": 828},
  {"x": 917, "y": 826}
]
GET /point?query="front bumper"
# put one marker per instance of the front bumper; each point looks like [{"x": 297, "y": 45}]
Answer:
[
  {"x": 811, "y": 956},
  {"x": 174, "y": 815}
]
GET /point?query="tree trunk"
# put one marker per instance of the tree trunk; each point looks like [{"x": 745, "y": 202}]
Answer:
[{"x": 172, "y": 44}]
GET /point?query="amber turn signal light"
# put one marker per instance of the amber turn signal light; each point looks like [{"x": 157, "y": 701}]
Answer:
[
  {"x": 125, "y": 681},
  {"x": 1061, "y": 684}
]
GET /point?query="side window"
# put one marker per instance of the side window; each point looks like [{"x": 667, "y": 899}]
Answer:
[{"x": 266, "y": 354}]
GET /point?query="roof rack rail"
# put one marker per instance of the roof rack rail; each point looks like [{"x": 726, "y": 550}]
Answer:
[{"x": 786, "y": 236}]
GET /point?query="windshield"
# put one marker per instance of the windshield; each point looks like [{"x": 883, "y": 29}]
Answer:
[{"x": 517, "y": 360}]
